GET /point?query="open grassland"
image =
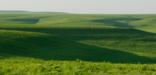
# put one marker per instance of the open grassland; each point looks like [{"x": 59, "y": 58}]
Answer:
[
  {"x": 29, "y": 66},
  {"x": 33, "y": 43}
]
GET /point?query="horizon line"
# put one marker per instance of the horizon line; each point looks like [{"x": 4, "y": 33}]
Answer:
[{"x": 115, "y": 12}]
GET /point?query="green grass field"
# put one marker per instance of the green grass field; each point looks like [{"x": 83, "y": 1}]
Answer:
[{"x": 44, "y": 43}]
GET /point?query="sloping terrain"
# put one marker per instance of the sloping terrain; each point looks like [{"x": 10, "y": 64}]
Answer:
[{"x": 126, "y": 39}]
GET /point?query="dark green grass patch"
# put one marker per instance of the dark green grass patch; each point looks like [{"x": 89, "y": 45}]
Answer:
[
  {"x": 69, "y": 44},
  {"x": 27, "y": 21}
]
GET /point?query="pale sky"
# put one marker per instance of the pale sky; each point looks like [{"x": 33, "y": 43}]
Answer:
[{"x": 82, "y": 6}]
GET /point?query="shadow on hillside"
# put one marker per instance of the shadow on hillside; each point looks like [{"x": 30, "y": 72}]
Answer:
[
  {"x": 118, "y": 22},
  {"x": 64, "y": 45},
  {"x": 21, "y": 21}
]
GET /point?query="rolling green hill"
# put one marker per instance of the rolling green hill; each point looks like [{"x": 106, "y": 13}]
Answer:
[{"x": 96, "y": 44}]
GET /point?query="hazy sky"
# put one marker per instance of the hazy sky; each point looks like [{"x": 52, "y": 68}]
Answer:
[{"x": 82, "y": 6}]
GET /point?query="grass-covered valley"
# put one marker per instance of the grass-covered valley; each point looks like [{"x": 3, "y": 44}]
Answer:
[{"x": 49, "y": 43}]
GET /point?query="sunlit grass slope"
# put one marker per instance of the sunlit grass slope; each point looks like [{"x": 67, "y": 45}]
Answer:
[{"x": 34, "y": 39}]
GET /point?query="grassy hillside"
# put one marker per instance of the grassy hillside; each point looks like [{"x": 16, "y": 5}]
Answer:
[
  {"x": 28, "y": 66},
  {"x": 32, "y": 38}
]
